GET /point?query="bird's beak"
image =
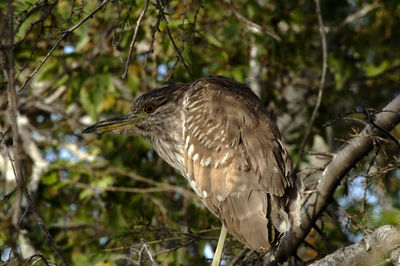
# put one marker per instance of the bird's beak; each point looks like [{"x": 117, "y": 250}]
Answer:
[{"x": 115, "y": 123}]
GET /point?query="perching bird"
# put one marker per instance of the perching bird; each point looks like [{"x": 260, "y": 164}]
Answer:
[{"x": 219, "y": 136}]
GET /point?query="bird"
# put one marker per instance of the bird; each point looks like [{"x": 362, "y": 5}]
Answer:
[{"x": 218, "y": 135}]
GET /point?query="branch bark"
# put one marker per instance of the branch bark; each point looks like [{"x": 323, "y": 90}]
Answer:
[
  {"x": 383, "y": 242},
  {"x": 8, "y": 67},
  {"x": 334, "y": 172}
]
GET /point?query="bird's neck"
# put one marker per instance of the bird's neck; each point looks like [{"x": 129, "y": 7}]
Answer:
[{"x": 169, "y": 146}]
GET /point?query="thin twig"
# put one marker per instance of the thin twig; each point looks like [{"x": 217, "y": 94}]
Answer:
[
  {"x": 157, "y": 186},
  {"x": 184, "y": 17},
  {"x": 162, "y": 15},
  {"x": 69, "y": 20},
  {"x": 28, "y": 79},
  {"x": 134, "y": 38},
  {"x": 120, "y": 189},
  {"x": 40, "y": 258},
  {"x": 310, "y": 246},
  {"x": 253, "y": 27},
  {"x": 195, "y": 18},
  {"x": 153, "y": 37},
  {"x": 371, "y": 121},
  {"x": 322, "y": 81},
  {"x": 236, "y": 259},
  {"x": 354, "y": 223},
  {"x": 181, "y": 236},
  {"x": 370, "y": 118},
  {"x": 146, "y": 248},
  {"x": 323, "y": 154},
  {"x": 8, "y": 195},
  {"x": 169, "y": 250},
  {"x": 357, "y": 15},
  {"x": 340, "y": 116}
]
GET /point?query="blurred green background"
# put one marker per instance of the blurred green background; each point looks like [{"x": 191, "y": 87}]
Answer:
[{"x": 104, "y": 197}]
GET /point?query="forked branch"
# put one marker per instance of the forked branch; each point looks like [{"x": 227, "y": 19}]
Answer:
[{"x": 342, "y": 162}]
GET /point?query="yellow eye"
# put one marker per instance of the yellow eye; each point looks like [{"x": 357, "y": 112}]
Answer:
[{"x": 149, "y": 108}]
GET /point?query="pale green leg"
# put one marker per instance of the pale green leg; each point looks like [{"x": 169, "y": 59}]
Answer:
[{"x": 220, "y": 246}]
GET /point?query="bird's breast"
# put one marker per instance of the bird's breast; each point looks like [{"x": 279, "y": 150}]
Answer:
[{"x": 170, "y": 150}]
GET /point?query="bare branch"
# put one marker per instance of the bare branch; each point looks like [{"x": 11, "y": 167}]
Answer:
[
  {"x": 162, "y": 15},
  {"x": 134, "y": 38},
  {"x": 321, "y": 83},
  {"x": 336, "y": 170},
  {"x": 195, "y": 18},
  {"x": 160, "y": 188},
  {"x": 252, "y": 26},
  {"x": 371, "y": 120},
  {"x": 40, "y": 257},
  {"x": 383, "y": 241},
  {"x": 145, "y": 247},
  {"x": 359, "y": 14},
  {"x": 181, "y": 236},
  {"x": 157, "y": 186},
  {"x": 28, "y": 79}
]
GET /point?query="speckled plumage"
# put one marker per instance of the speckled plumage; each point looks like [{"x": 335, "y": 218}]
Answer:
[{"x": 217, "y": 134}]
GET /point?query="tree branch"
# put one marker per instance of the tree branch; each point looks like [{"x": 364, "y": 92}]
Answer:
[
  {"x": 335, "y": 171},
  {"x": 162, "y": 15},
  {"x": 28, "y": 79},
  {"x": 252, "y": 26},
  {"x": 384, "y": 241},
  {"x": 134, "y": 38},
  {"x": 357, "y": 15},
  {"x": 321, "y": 83},
  {"x": 9, "y": 70}
]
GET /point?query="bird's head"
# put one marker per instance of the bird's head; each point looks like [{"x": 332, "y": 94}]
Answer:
[{"x": 151, "y": 114}]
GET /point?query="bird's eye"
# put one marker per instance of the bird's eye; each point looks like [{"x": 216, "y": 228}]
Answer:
[{"x": 149, "y": 108}]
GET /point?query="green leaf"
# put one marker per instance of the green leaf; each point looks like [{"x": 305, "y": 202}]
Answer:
[
  {"x": 3, "y": 239},
  {"x": 213, "y": 40},
  {"x": 84, "y": 38},
  {"x": 50, "y": 179},
  {"x": 105, "y": 182},
  {"x": 86, "y": 193},
  {"x": 50, "y": 70},
  {"x": 88, "y": 104},
  {"x": 116, "y": 219},
  {"x": 374, "y": 70}
]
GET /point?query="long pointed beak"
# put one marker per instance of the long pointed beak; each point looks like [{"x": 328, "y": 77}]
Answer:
[{"x": 115, "y": 123}]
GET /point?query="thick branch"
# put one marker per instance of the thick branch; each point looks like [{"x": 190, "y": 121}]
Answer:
[
  {"x": 335, "y": 171},
  {"x": 9, "y": 70},
  {"x": 383, "y": 242}
]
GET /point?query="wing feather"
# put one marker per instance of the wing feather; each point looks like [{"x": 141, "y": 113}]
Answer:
[{"x": 237, "y": 161}]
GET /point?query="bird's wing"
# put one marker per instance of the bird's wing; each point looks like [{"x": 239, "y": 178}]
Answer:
[{"x": 235, "y": 161}]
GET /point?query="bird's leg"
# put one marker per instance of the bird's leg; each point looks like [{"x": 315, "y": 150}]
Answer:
[{"x": 220, "y": 246}]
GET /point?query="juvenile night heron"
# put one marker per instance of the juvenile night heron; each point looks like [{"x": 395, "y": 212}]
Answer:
[{"x": 219, "y": 136}]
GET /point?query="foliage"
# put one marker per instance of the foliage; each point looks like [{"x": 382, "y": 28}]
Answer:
[{"x": 104, "y": 199}]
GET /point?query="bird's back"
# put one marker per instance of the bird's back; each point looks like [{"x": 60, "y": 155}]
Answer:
[{"x": 235, "y": 161}]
